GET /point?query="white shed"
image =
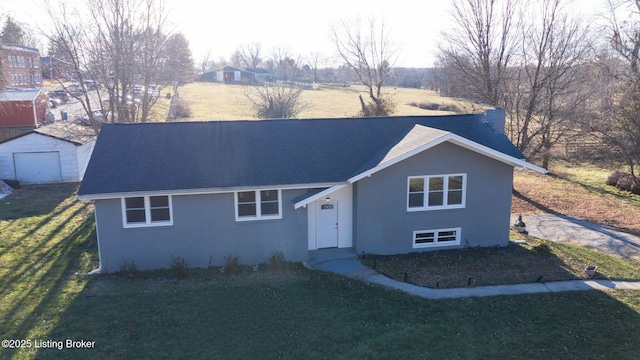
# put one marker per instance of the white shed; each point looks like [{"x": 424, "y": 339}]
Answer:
[{"x": 54, "y": 153}]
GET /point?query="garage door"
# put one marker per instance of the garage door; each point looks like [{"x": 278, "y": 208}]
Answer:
[{"x": 37, "y": 167}]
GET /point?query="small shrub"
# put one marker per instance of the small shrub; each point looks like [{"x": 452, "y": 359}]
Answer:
[
  {"x": 128, "y": 269},
  {"x": 275, "y": 102},
  {"x": 542, "y": 248},
  {"x": 624, "y": 183},
  {"x": 614, "y": 177},
  {"x": 385, "y": 107},
  {"x": 179, "y": 266},
  {"x": 231, "y": 265},
  {"x": 182, "y": 109},
  {"x": 277, "y": 260}
]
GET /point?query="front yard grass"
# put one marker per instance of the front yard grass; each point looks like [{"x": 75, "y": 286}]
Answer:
[{"x": 47, "y": 247}]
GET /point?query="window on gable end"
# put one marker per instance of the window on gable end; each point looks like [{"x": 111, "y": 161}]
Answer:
[{"x": 434, "y": 192}]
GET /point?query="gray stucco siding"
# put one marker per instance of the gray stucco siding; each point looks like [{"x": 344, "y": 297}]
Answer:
[
  {"x": 204, "y": 231},
  {"x": 385, "y": 226}
]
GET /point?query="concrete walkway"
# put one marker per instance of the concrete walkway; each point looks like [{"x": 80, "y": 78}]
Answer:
[
  {"x": 564, "y": 228},
  {"x": 546, "y": 226}
]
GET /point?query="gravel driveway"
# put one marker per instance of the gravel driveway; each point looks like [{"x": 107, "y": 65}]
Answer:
[{"x": 565, "y": 228}]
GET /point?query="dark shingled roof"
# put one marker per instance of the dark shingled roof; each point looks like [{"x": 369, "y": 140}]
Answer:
[{"x": 219, "y": 154}]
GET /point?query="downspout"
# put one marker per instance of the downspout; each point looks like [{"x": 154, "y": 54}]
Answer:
[
  {"x": 99, "y": 269},
  {"x": 35, "y": 113}
]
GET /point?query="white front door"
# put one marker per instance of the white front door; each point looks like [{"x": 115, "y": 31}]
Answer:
[{"x": 326, "y": 224}]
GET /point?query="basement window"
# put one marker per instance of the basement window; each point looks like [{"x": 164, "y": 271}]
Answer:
[{"x": 434, "y": 238}]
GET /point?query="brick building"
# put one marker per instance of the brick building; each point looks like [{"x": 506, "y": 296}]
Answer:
[{"x": 21, "y": 68}]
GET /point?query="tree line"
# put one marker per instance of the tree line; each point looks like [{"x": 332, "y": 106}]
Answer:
[{"x": 560, "y": 78}]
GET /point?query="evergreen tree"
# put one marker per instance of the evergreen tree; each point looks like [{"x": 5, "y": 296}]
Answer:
[{"x": 12, "y": 33}]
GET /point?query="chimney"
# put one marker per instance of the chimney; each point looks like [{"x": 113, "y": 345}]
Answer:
[{"x": 494, "y": 116}]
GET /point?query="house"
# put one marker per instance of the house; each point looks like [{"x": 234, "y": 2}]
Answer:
[
  {"x": 392, "y": 185},
  {"x": 20, "y": 67},
  {"x": 54, "y": 153},
  {"x": 21, "y": 111}
]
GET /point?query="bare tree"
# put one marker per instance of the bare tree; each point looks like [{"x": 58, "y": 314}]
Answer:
[
  {"x": 479, "y": 47},
  {"x": 249, "y": 56},
  {"x": 287, "y": 65},
  {"x": 547, "y": 96},
  {"x": 622, "y": 130},
  {"x": 536, "y": 68},
  {"x": 179, "y": 70},
  {"x": 71, "y": 43},
  {"x": 315, "y": 61},
  {"x": 369, "y": 52},
  {"x": 121, "y": 44},
  {"x": 205, "y": 62},
  {"x": 625, "y": 31}
]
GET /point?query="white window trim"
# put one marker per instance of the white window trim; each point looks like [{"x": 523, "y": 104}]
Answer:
[
  {"x": 444, "y": 206},
  {"x": 258, "y": 215},
  {"x": 435, "y": 240},
  {"x": 147, "y": 213}
]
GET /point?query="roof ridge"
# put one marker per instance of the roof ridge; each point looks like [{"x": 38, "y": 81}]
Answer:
[{"x": 362, "y": 119}]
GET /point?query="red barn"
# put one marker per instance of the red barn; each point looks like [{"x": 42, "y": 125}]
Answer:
[{"x": 23, "y": 108}]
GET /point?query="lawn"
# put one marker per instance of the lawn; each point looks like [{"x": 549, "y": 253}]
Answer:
[{"x": 47, "y": 246}]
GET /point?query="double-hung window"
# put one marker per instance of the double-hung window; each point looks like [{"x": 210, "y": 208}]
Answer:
[
  {"x": 432, "y": 238},
  {"x": 142, "y": 211},
  {"x": 258, "y": 205},
  {"x": 436, "y": 192}
]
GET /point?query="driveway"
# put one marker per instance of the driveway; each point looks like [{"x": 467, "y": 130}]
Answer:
[{"x": 564, "y": 228}]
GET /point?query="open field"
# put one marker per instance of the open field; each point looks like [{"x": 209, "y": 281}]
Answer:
[
  {"x": 47, "y": 246},
  {"x": 212, "y": 101}
]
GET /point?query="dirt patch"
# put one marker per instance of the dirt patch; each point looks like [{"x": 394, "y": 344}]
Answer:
[{"x": 513, "y": 264}]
